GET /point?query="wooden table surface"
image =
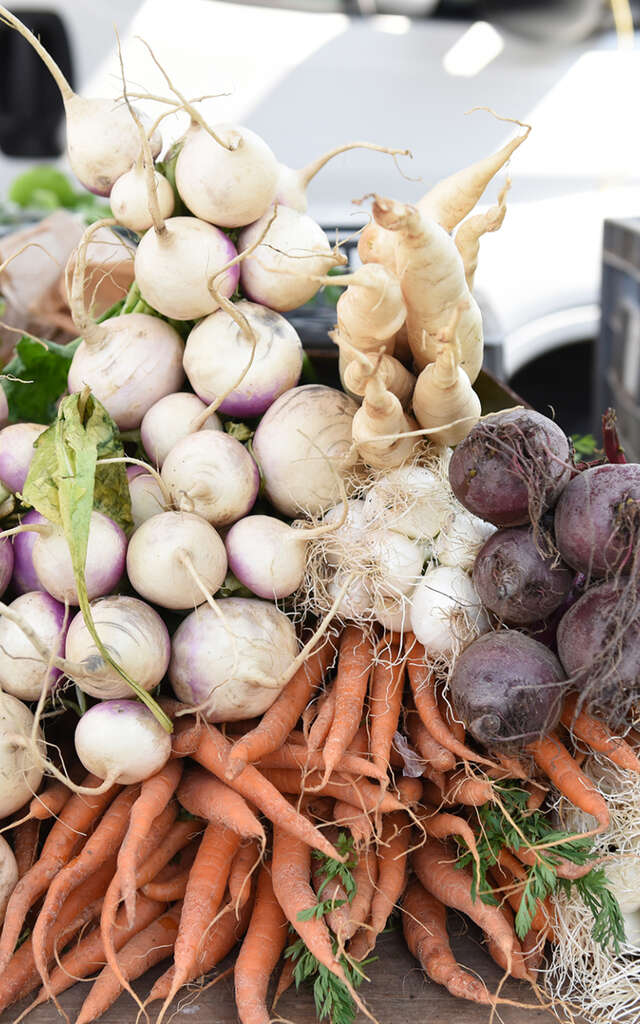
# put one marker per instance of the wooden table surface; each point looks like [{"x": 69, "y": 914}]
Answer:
[{"x": 399, "y": 993}]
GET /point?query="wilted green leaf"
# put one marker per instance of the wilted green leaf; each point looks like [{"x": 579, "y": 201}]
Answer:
[{"x": 40, "y": 369}]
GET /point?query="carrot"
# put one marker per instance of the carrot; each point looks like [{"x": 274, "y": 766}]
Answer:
[
  {"x": 212, "y": 752},
  {"x": 167, "y": 890},
  {"x": 423, "y": 688},
  {"x": 205, "y": 890},
  {"x": 385, "y": 704},
  {"x": 563, "y": 868},
  {"x": 424, "y": 924},
  {"x": 154, "y": 856},
  {"x": 285, "y": 981},
  {"x": 429, "y": 749},
  {"x": 392, "y": 878},
  {"x": 465, "y": 789},
  {"x": 331, "y": 890},
  {"x": 50, "y": 802},
  {"x": 292, "y": 757},
  {"x": 511, "y": 878},
  {"x": 358, "y": 792},
  {"x": 409, "y": 790},
  {"x": 264, "y": 942},
  {"x": 25, "y": 845},
  {"x": 207, "y": 797},
  {"x": 365, "y": 876},
  {"x": 358, "y": 822},
  {"x": 323, "y": 720},
  {"x": 556, "y": 761},
  {"x": 597, "y": 735},
  {"x": 77, "y": 816},
  {"x": 155, "y": 794},
  {"x": 243, "y": 865},
  {"x": 100, "y": 846},
  {"x": 279, "y": 720},
  {"x": 354, "y": 664},
  {"x": 149, "y": 947},
  {"x": 456, "y": 728},
  {"x": 514, "y": 965},
  {"x": 434, "y": 864},
  {"x": 440, "y": 825}
]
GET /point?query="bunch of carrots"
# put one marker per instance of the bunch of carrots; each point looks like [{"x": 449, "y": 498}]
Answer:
[{"x": 302, "y": 832}]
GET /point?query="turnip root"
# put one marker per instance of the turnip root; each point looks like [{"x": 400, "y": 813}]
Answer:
[
  {"x": 343, "y": 537},
  {"x": 20, "y": 774},
  {"x": 461, "y": 537},
  {"x": 173, "y": 268},
  {"x": 377, "y": 424},
  {"x": 212, "y": 475},
  {"x": 511, "y": 467},
  {"x": 507, "y": 689},
  {"x": 169, "y": 420},
  {"x": 102, "y": 140},
  {"x": 291, "y": 189},
  {"x": 105, "y": 559},
  {"x": 169, "y": 554},
  {"x": 120, "y": 741},
  {"x": 280, "y": 273},
  {"x": 16, "y": 453},
  {"x": 230, "y": 663},
  {"x": 129, "y": 361},
  {"x": 147, "y": 497},
  {"x": 23, "y": 671},
  {"x": 218, "y": 352},
  {"x": 129, "y": 199},
  {"x": 136, "y": 638},
  {"x": 25, "y": 578},
  {"x": 303, "y": 447},
  {"x": 267, "y": 555},
  {"x": 515, "y": 581},
  {"x": 4, "y": 409},
  {"x": 446, "y": 613},
  {"x": 410, "y": 499},
  {"x": 230, "y": 182},
  {"x": 469, "y": 234},
  {"x": 8, "y": 875},
  {"x": 6, "y": 564},
  {"x": 597, "y": 520}
]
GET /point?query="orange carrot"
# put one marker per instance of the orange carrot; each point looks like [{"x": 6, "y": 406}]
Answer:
[
  {"x": 202, "y": 794},
  {"x": 358, "y": 822},
  {"x": 556, "y": 761},
  {"x": 465, "y": 789},
  {"x": 455, "y": 727},
  {"x": 279, "y": 720},
  {"x": 358, "y": 792},
  {"x": 392, "y": 878},
  {"x": 422, "y": 683},
  {"x": 212, "y": 752},
  {"x": 597, "y": 735},
  {"x": 25, "y": 845},
  {"x": 440, "y": 825},
  {"x": 76, "y": 818},
  {"x": 50, "y": 802},
  {"x": 424, "y": 924},
  {"x": 563, "y": 868},
  {"x": 409, "y": 790},
  {"x": 434, "y": 864},
  {"x": 243, "y": 865},
  {"x": 167, "y": 890},
  {"x": 429, "y": 749},
  {"x": 385, "y": 704},
  {"x": 365, "y": 876},
  {"x": 293, "y": 757},
  {"x": 265, "y": 939},
  {"x": 285, "y": 981},
  {"x": 155, "y": 794},
  {"x": 149, "y": 947},
  {"x": 323, "y": 720},
  {"x": 515, "y": 964},
  {"x": 354, "y": 664},
  {"x": 511, "y": 877}
]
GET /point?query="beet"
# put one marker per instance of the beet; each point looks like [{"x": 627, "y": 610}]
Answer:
[
  {"x": 516, "y": 581},
  {"x": 511, "y": 467},
  {"x": 507, "y": 689},
  {"x": 597, "y": 520},
  {"x": 599, "y": 646}
]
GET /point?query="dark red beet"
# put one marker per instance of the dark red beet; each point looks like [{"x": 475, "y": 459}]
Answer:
[
  {"x": 599, "y": 646},
  {"x": 507, "y": 689},
  {"x": 515, "y": 581},
  {"x": 511, "y": 467},
  {"x": 597, "y": 520}
]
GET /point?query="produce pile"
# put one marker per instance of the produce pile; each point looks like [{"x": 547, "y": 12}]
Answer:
[{"x": 281, "y": 662}]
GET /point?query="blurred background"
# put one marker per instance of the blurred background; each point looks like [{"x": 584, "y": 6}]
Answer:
[{"x": 310, "y": 74}]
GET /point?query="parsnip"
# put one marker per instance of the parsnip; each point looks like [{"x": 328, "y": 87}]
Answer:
[
  {"x": 356, "y": 369},
  {"x": 469, "y": 233},
  {"x": 376, "y": 425},
  {"x": 443, "y": 395}
]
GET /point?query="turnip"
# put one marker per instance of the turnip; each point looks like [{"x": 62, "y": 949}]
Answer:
[
  {"x": 218, "y": 353},
  {"x": 129, "y": 361},
  {"x": 121, "y": 742},
  {"x": 511, "y": 468},
  {"x": 4, "y": 409},
  {"x": 16, "y": 453},
  {"x": 344, "y": 537},
  {"x": 280, "y": 272},
  {"x": 169, "y": 420},
  {"x": 303, "y": 447},
  {"x": 148, "y": 498},
  {"x": 25, "y": 578},
  {"x": 135, "y": 637},
  {"x": 8, "y": 875},
  {"x": 129, "y": 199},
  {"x": 230, "y": 663},
  {"x": 597, "y": 520},
  {"x": 507, "y": 689},
  {"x": 23, "y": 670},
  {"x": 105, "y": 559},
  {"x": 516, "y": 581},
  {"x": 446, "y": 613},
  {"x": 355, "y": 601},
  {"x": 20, "y": 773},
  {"x": 212, "y": 475},
  {"x": 229, "y": 180},
  {"x": 411, "y": 499},
  {"x": 175, "y": 560},
  {"x": 461, "y": 538},
  {"x": 102, "y": 139},
  {"x": 6, "y": 564}
]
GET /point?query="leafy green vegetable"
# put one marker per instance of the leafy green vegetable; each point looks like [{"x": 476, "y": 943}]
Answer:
[
  {"x": 584, "y": 444},
  {"x": 35, "y": 378},
  {"x": 240, "y": 431},
  {"x": 45, "y": 188},
  {"x": 343, "y": 871},
  {"x": 66, "y": 482},
  {"x": 608, "y": 922}
]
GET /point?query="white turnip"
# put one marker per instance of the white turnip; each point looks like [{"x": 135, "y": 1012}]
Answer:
[
  {"x": 25, "y": 579},
  {"x": 105, "y": 559},
  {"x": 446, "y": 613},
  {"x": 212, "y": 475},
  {"x": 4, "y": 408},
  {"x": 147, "y": 496},
  {"x": 169, "y": 420},
  {"x": 230, "y": 662},
  {"x": 20, "y": 773},
  {"x": 129, "y": 199},
  {"x": 16, "y": 453},
  {"x": 218, "y": 352},
  {"x": 267, "y": 555},
  {"x": 8, "y": 875},
  {"x": 121, "y": 741},
  {"x": 6, "y": 564},
  {"x": 23, "y": 670}
]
